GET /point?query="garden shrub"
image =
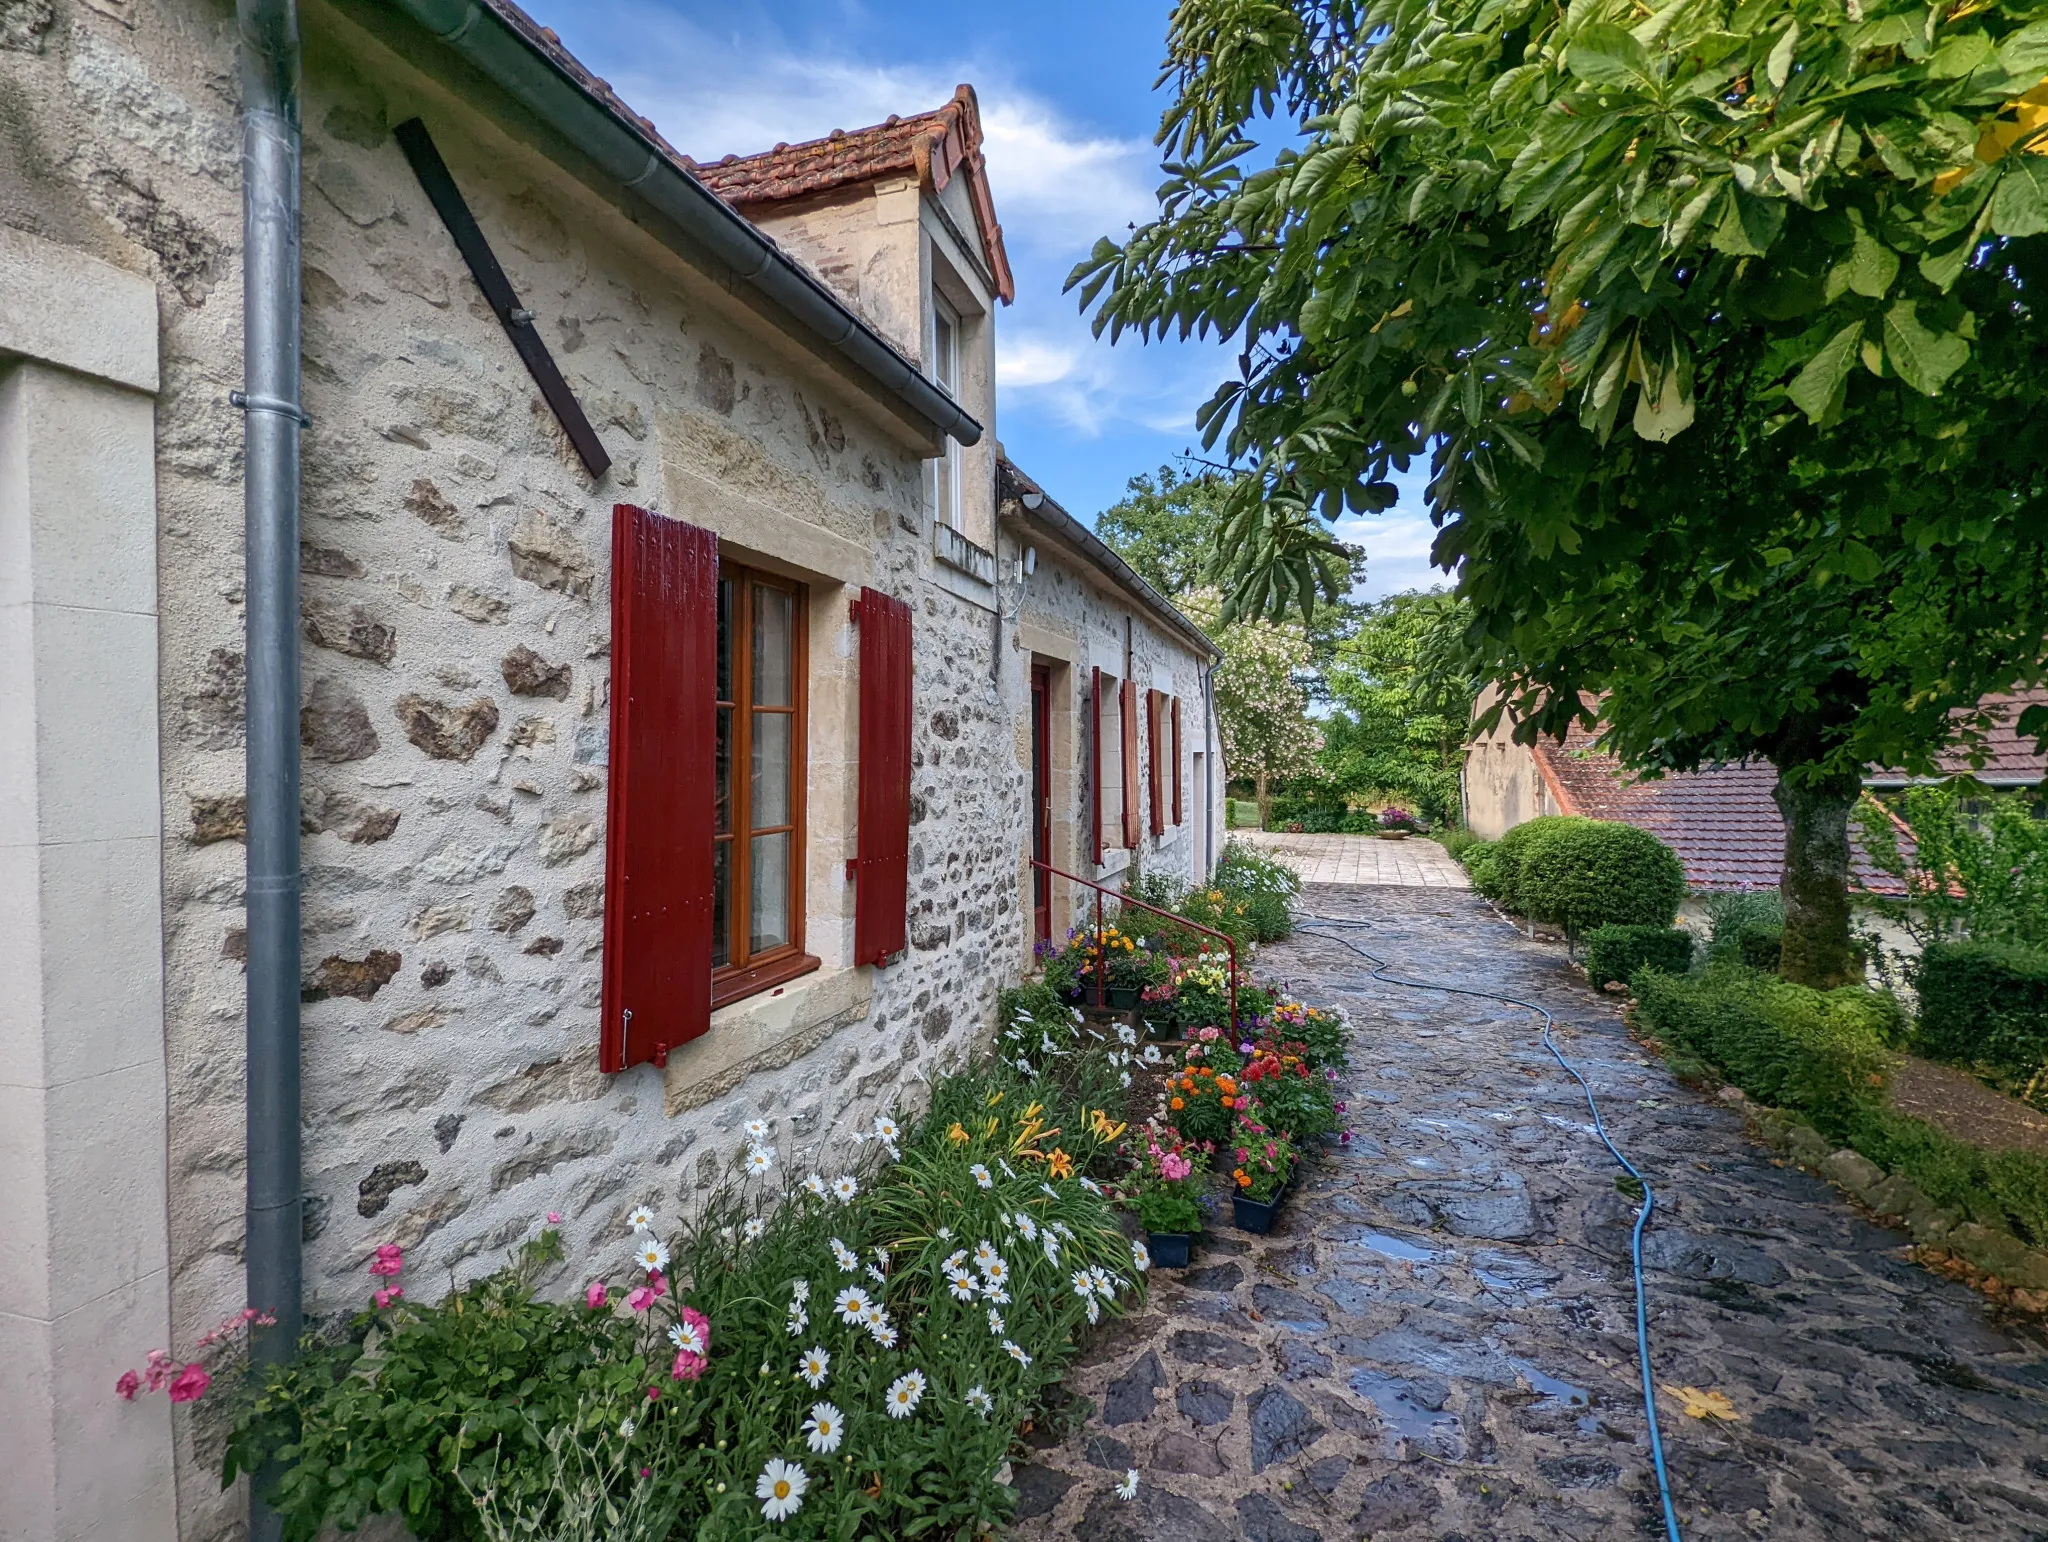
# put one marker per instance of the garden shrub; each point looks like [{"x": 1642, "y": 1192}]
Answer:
[
  {"x": 1731, "y": 913},
  {"x": 1583, "y": 873},
  {"x": 1760, "y": 946},
  {"x": 1984, "y": 1004},
  {"x": 1456, "y": 840},
  {"x": 1479, "y": 859},
  {"x": 1264, "y": 887},
  {"x": 1615, "y": 953},
  {"x": 1036, "y": 1008},
  {"x": 988, "y": 1208}
]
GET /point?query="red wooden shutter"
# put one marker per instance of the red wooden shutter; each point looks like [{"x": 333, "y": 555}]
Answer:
[
  {"x": 1095, "y": 770},
  {"x": 1176, "y": 760},
  {"x": 881, "y": 894},
  {"x": 658, "y": 826},
  {"x": 1155, "y": 782},
  {"x": 1130, "y": 722}
]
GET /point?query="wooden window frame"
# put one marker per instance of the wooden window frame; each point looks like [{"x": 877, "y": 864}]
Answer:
[{"x": 746, "y": 973}]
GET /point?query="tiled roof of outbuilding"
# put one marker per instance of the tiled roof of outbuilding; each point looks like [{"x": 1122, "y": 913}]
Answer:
[{"x": 935, "y": 146}]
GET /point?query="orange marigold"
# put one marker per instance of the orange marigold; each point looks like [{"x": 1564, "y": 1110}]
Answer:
[
  {"x": 1244, "y": 1179},
  {"x": 1179, "y": 1104}
]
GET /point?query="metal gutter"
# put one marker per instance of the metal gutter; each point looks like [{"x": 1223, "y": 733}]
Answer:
[
  {"x": 1014, "y": 486},
  {"x": 503, "y": 45},
  {"x": 272, "y": 420}
]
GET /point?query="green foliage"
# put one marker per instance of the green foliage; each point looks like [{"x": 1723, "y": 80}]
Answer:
[
  {"x": 1456, "y": 841},
  {"x": 1293, "y": 1097},
  {"x": 1615, "y": 953},
  {"x": 1036, "y": 1008},
  {"x": 1265, "y": 887},
  {"x": 420, "y": 1402},
  {"x": 1732, "y": 913},
  {"x": 1580, "y": 873},
  {"x": 1403, "y": 705},
  {"x": 1978, "y": 864},
  {"x": 1825, "y": 1055},
  {"x": 1985, "y": 1004},
  {"x": 1760, "y": 946},
  {"x": 1822, "y": 1052},
  {"x": 1261, "y": 706},
  {"x": 1169, "y": 1209}
]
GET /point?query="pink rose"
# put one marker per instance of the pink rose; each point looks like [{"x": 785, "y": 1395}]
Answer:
[
  {"x": 190, "y": 1384},
  {"x": 157, "y": 1369},
  {"x": 597, "y": 1297},
  {"x": 390, "y": 1259},
  {"x": 128, "y": 1386}
]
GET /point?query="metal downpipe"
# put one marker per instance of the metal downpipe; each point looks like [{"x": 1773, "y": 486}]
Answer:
[
  {"x": 1212, "y": 747},
  {"x": 272, "y": 420}
]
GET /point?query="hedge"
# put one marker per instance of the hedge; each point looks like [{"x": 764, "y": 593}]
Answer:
[
  {"x": 1825, "y": 1055},
  {"x": 1584, "y": 873},
  {"x": 1615, "y": 953},
  {"x": 1984, "y": 1003},
  {"x": 1760, "y": 946}
]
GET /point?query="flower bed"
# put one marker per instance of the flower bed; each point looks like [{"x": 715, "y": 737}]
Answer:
[{"x": 823, "y": 1352}]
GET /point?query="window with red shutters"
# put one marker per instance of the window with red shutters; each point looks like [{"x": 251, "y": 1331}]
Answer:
[
  {"x": 1105, "y": 767},
  {"x": 881, "y": 905},
  {"x": 1176, "y": 761},
  {"x": 1128, "y": 703},
  {"x": 656, "y": 991}
]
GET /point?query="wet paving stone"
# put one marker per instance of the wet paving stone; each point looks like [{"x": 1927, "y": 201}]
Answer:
[{"x": 1437, "y": 1340}]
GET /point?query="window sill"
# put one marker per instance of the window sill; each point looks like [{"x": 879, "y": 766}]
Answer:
[
  {"x": 772, "y": 1028},
  {"x": 739, "y": 984}
]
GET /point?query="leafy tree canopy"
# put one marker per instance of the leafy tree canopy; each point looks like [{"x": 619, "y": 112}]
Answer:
[
  {"x": 1403, "y": 704},
  {"x": 1261, "y": 705}
]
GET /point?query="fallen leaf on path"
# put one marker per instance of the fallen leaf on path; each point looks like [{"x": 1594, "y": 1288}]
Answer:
[{"x": 1703, "y": 1405}]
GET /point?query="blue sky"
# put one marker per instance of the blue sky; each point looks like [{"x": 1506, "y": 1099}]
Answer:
[{"x": 1067, "y": 101}]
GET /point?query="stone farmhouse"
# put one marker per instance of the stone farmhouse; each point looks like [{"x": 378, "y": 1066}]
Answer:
[{"x": 525, "y": 652}]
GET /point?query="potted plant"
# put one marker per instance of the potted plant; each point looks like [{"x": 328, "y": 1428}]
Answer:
[
  {"x": 1167, "y": 1179},
  {"x": 1396, "y": 824},
  {"x": 1128, "y": 969},
  {"x": 1264, "y": 1162}
]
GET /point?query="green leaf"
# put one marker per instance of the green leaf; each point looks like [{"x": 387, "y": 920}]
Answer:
[
  {"x": 2019, "y": 206},
  {"x": 1605, "y": 55},
  {"x": 1823, "y": 385},
  {"x": 2023, "y": 55},
  {"x": 1923, "y": 358},
  {"x": 1870, "y": 267},
  {"x": 1749, "y": 224},
  {"x": 1959, "y": 54},
  {"x": 1778, "y": 67}
]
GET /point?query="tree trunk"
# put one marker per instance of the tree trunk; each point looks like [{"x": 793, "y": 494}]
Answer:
[
  {"x": 1815, "y": 885},
  {"x": 1265, "y": 803}
]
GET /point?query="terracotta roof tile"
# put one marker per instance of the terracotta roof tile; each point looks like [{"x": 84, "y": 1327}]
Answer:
[{"x": 2009, "y": 759}]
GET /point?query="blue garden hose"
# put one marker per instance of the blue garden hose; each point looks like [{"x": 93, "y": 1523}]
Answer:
[{"x": 1379, "y": 972}]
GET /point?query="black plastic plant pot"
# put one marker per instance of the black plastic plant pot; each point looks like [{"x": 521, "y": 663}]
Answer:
[
  {"x": 1088, "y": 995},
  {"x": 1124, "y": 997},
  {"x": 1170, "y": 1249},
  {"x": 1255, "y": 1215}
]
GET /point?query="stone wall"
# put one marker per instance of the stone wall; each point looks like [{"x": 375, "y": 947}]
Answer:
[{"x": 456, "y": 638}]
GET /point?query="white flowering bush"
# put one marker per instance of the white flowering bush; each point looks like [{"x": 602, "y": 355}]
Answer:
[{"x": 837, "y": 1344}]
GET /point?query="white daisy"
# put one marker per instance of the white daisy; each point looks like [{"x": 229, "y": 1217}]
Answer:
[
  {"x": 885, "y": 1129},
  {"x": 686, "y": 1338},
  {"x": 757, "y": 1129},
  {"x": 851, "y": 1304},
  {"x": 845, "y": 1188},
  {"x": 813, "y": 1365},
  {"x": 760, "y": 1159},
  {"x": 1062, "y": 1228},
  {"x": 979, "y": 1401},
  {"x": 945, "y": 1234},
  {"x": 996, "y": 1327},
  {"x": 1127, "y": 1033},
  {"x": 845, "y": 1257},
  {"x": 1008, "y": 1170},
  {"x": 995, "y": 1293},
  {"x": 1016, "y": 1352},
  {"x": 905, "y": 1392},
  {"x": 1046, "y": 1045},
  {"x": 957, "y": 1259},
  {"x": 985, "y": 1254},
  {"x": 875, "y": 1315},
  {"x": 1091, "y": 1186},
  {"x": 753, "y": 1229},
  {"x": 1026, "y": 1066},
  {"x": 1052, "y": 1249},
  {"x": 1128, "y": 1489},
  {"x": 626, "y": 1429},
  {"x": 1084, "y": 1284},
  {"x": 981, "y": 1176},
  {"x": 961, "y": 1283},
  {"x": 800, "y": 1290},
  {"x": 1125, "y": 1078},
  {"x": 881, "y": 1257},
  {"x": 815, "y": 1184},
  {"x": 822, "y": 1429},
  {"x": 799, "y": 1319},
  {"x": 877, "y": 1275},
  {"x": 650, "y": 1253},
  {"x": 780, "y": 1488},
  {"x": 1141, "y": 1257},
  {"x": 1151, "y": 1055},
  {"x": 996, "y": 1272},
  {"x": 1027, "y": 1226},
  {"x": 1094, "y": 1311},
  {"x": 639, "y": 1218},
  {"x": 883, "y": 1333},
  {"x": 1104, "y": 1285}
]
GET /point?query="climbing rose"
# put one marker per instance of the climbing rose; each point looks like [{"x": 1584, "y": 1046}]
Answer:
[
  {"x": 384, "y": 1298},
  {"x": 190, "y": 1384},
  {"x": 128, "y": 1386},
  {"x": 597, "y": 1297},
  {"x": 390, "y": 1259}
]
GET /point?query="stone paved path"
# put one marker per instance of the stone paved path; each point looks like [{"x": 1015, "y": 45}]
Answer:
[
  {"x": 1416, "y": 862},
  {"x": 1438, "y": 1339}
]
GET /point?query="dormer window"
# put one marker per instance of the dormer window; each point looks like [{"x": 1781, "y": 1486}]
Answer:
[{"x": 945, "y": 370}]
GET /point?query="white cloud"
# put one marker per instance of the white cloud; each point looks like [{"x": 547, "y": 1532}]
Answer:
[
  {"x": 1024, "y": 362},
  {"x": 1396, "y": 543}
]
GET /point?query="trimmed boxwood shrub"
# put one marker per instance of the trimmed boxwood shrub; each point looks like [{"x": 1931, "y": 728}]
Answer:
[
  {"x": 1984, "y": 1003},
  {"x": 1823, "y": 1054},
  {"x": 1759, "y": 945},
  {"x": 1615, "y": 953},
  {"x": 1582, "y": 873}
]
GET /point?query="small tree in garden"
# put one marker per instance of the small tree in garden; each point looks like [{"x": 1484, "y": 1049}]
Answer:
[
  {"x": 1716, "y": 324},
  {"x": 1975, "y": 867},
  {"x": 1261, "y": 707},
  {"x": 1404, "y": 706}
]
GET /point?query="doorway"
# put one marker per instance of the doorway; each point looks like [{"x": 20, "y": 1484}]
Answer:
[{"x": 1041, "y": 801}]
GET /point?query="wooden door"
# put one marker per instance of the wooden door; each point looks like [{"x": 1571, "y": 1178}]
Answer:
[{"x": 1041, "y": 801}]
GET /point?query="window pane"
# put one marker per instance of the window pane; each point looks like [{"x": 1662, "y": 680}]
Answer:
[
  {"x": 770, "y": 922},
  {"x": 725, "y": 598},
  {"x": 770, "y": 805},
  {"x": 774, "y": 623},
  {"x": 944, "y": 355},
  {"x": 722, "y": 788},
  {"x": 943, "y": 473},
  {"x": 721, "y": 904}
]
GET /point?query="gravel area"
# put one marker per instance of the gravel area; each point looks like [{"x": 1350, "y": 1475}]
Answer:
[{"x": 1438, "y": 1338}]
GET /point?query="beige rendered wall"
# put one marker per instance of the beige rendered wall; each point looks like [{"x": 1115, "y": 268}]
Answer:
[
  {"x": 1503, "y": 787},
  {"x": 85, "y": 1274}
]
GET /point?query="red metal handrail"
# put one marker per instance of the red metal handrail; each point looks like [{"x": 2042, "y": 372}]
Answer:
[{"x": 1101, "y": 968}]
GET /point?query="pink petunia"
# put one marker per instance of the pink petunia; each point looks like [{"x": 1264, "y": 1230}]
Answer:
[
  {"x": 695, "y": 1319},
  {"x": 158, "y": 1369},
  {"x": 597, "y": 1297},
  {"x": 554, "y": 1218},
  {"x": 688, "y": 1367},
  {"x": 190, "y": 1384},
  {"x": 640, "y": 1298},
  {"x": 128, "y": 1386},
  {"x": 384, "y": 1298}
]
